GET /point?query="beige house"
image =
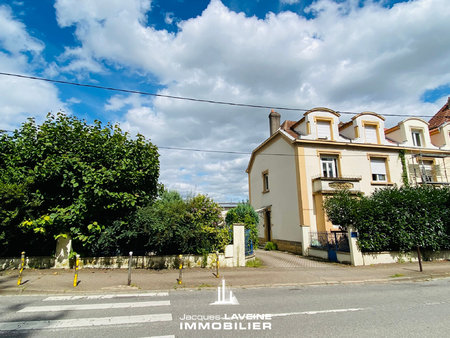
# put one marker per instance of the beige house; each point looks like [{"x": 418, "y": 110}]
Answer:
[{"x": 302, "y": 162}]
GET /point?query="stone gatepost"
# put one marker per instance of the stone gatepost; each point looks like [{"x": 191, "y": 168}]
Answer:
[
  {"x": 355, "y": 253},
  {"x": 238, "y": 245},
  {"x": 63, "y": 248}
]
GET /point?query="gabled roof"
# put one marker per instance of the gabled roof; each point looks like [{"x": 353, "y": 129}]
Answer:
[
  {"x": 442, "y": 116},
  {"x": 287, "y": 127}
]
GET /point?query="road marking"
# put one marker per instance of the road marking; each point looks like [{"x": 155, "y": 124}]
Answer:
[
  {"x": 80, "y": 322},
  {"x": 120, "y": 295},
  {"x": 73, "y": 307},
  {"x": 314, "y": 312}
]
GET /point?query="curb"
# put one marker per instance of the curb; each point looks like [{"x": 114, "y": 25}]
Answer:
[{"x": 126, "y": 289}]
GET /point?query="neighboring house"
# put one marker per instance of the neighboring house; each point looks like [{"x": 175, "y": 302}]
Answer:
[{"x": 302, "y": 162}]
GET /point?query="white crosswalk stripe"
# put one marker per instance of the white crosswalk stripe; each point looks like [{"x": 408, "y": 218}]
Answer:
[
  {"x": 86, "y": 303},
  {"x": 110, "y": 296},
  {"x": 74, "y": 307},
  {"x": 80, "y": 322}
]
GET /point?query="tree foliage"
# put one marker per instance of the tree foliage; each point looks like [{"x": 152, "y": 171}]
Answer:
[
  {"x": 68, "y": 177},
  {"x": 172, "y": 225},
  {"x": 245, "y": 214},
  {"x": 396, "y": 218}
]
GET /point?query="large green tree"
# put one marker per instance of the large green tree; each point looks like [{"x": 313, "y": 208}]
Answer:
[
  {"x": 66, "y": 177},
  {"x": 172, "y": 225}
]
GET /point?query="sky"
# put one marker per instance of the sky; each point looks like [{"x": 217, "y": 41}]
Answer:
[{"x": 385, "y": 56}]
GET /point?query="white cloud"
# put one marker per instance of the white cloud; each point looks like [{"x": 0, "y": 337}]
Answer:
[
  {"x": 13, "y": 35},
  {"x": 22, "y": 98},
  {"x": 345, "y": 57},
  {"x": 289, "y": 2}
]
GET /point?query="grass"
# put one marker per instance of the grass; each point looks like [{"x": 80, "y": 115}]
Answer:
[
  {"x": 254, "y": 263},
  {"x": 397, "y": 275}
]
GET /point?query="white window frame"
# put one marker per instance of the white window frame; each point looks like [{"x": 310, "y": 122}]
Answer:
[
  {"x": 329, "y": 166},
  {"x": 417, "y": 137}
]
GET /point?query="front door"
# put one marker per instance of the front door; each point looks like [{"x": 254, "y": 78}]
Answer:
[{"x": 267, "y": 226}]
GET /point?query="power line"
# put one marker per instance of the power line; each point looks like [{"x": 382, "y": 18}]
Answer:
[
  {"x": 151, "y": 94},
  {"x": 236, "y": 104}
]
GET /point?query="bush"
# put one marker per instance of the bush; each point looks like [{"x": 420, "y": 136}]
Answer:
[
  {"x": 172, "y": 225},
  {"x": 396, "y": 219},
  {"x": 270, "y": 246},
  {"x": 245, "y": 214}
]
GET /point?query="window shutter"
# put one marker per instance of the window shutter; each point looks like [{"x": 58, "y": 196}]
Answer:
[
  {"x": 323, "y": 129},
  {"x": 371, "y": 134},
  {"x": 378, "y": 166}
]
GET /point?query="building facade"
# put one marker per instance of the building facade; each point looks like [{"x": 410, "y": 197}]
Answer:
[{"x": 302, "y": 162}]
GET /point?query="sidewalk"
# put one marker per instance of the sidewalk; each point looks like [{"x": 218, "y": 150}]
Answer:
[{"x": 51, "y": 281}]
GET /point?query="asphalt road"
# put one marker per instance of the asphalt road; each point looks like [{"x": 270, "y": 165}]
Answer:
[{"x": 410, "y": 309}]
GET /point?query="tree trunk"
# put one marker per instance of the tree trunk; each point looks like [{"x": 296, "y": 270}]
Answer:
[{"x": 420, "y": 258}]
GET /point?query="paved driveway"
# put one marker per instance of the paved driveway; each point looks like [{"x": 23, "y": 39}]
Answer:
[{"x": 280, "y": 259}]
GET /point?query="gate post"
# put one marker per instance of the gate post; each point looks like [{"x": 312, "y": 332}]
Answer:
[
  {"x": 355, "y": 253},
  {"x": 238, "y": 245}
]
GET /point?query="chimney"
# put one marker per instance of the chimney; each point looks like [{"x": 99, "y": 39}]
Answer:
[{"x": 274, "y": 122}]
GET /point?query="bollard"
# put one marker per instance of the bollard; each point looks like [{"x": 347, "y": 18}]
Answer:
[
  {"x": 75, "y": 277},
  {"x": 22, "y": 264},
  {"x": 217, "y": 264},
  {"x": 180, "y": 278},
  {"x": 130, "y": 260}
]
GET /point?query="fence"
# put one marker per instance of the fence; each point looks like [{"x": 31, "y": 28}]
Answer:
[
  {"x": 336, "y": 240},
  {"x": 248, "y": 243}
]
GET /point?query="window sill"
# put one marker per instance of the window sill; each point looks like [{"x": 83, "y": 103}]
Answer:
[
  {"x": 381, "y": 183},
  {"x": 265, "y": 191}
]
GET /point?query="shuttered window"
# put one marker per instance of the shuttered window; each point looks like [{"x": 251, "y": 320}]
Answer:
[
  {"x": 371, "y": 134},
  {"x": 378, "y": 166},
  {"x": 324, "y": 130}
]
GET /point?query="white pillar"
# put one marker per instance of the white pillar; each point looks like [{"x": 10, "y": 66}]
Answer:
[
  {"x": 238, "y": 245},
  {"x": 63, "y": 247},
  {"x": 306, "y": 240},
  {"x": 355, "y": 253}
]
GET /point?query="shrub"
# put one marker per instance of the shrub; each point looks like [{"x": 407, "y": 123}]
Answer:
[
  {"x": 396, "y": 219},
  {"x": 244, "y": 213},
  {"x": 270, "y": 246}
]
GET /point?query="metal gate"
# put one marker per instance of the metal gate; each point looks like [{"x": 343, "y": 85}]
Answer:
[
  {"x": 248, "y": 243},
  {"x": 332, "y": 242}
]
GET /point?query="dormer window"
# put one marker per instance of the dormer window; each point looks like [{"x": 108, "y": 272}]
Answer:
[
  {"x": 417, "y": 138},
  {"x": 371, "y": 135},
  {"x": 323, "y": 129}
]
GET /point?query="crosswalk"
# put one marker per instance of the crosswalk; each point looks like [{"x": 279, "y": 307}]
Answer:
[{"x": 81, "y": 312}]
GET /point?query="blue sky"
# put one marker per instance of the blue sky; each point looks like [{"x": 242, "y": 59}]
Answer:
[{"x": 391, "y": 57}]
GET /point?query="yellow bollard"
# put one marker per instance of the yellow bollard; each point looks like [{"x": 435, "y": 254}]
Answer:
[
  {"x": 75, "y": 278},
  {"x": 217, "y": 264},
  {"x": 22, "y": 264},
  {"x": 180, "y": 278}
]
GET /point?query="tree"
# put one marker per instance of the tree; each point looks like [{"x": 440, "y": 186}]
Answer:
[
  {"x": 73, "y": 178},
  {"x": 245, "y": 214},
  {"x": 172, "y": 225}
]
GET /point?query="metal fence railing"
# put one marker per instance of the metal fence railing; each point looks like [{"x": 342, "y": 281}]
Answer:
[
  {"x": 337, "y": 240},
  {"x": 248, "y": 243}
]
